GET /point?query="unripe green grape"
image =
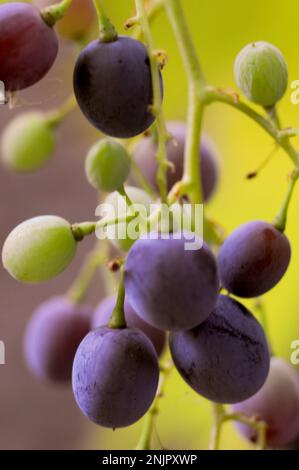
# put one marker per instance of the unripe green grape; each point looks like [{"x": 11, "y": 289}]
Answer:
[
  {"x": 107, "y": 165},
  {"x": 117, "y": 234},
  {"x": 39, "y": 249},
  {"x": 27, "y": 142},
  {"x": 261, "y": 73}
]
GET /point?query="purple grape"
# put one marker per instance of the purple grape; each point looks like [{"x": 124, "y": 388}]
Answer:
[
  {"x": 225, "y": 359},
  {"x": 113, "y": 86},
  {"x": 115, "y": 376},
  {"x": 28, "y": 46},
  {"x": 276, "y": 403},
  {"x": 103, "y": 313},
  {"x": 144, "y": 155},
  {"x": 253, "y": 259},
  {"x": 52, "y": 337},
  {"x": 170, "y": 287}
]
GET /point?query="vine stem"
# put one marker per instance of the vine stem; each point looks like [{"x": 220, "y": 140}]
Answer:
[
  {"x": 108, "y": 32},
  {"x": 94, "y": 259},
  {"x": 149, "y": 425},
  {"x": 220, "y": 416},
  {"x": 55, "y": 12},
  {"x": 191, "y": 182},
  {"x": 281, "y": 218},
  {"x": 156, "y": 107},
  {"x": 118, "y": 320},
  {"x": 82, "y": 229},
  {"x": 213, "y": 95},
  {"x": 55, "y": 117}
]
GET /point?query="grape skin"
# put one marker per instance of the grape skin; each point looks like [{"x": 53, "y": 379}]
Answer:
[
  {"x": 52, "y": 337},
  {"x": 39, "y": 249},
  {"x": 253, "y": 259},
  {"x": 225, "y": 359},
  {"x": 115, "y": 376},
  {"x": 276, "y": 403},
  {"x": 27, "y": 142},
  {"x": 103, "y": 313},
  {"x": 113, "y": 86},
  {"x": 171, "y": 288},
  {"x": 28, "y": 46},
  {"x": 144, "y": 153}
]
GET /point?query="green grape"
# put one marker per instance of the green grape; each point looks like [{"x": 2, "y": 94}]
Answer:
[
  {"x": 39, "y": 249},
  {"x": 107, "y": 165},
  {"x": 261, "y": 73},
  {"x": 27, "y": 142},
  {"x": 118, "y": 233}
]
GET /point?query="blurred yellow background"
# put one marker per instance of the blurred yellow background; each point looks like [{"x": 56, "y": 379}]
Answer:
[{"x": 220, "y": 30}]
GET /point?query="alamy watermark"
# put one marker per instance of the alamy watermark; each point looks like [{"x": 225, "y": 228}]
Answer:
[
  {"x": 3, "y": 98},
  {"x": 121, "y": 222},
  {"x": 294, "y": 358},
  {"x": 2, "y": 353}
]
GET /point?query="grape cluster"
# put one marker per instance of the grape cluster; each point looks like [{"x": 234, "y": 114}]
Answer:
[{"x": 111, "y": 355}]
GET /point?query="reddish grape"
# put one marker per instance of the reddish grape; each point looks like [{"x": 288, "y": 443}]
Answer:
[
  {"x": 28, "y": 46},
  {"x": 253, "y": 259}
]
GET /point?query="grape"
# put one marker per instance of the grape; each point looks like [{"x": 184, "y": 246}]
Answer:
[
  {"x": 225, "y": 359},
  {"x": 52, "y": 337},
  {"x": 170, "y": 287},
  {"x": 276, "y": 403},
  {"x": 107, "y": 165},
  {"x": 145, "y": 150},
  {"x": 28, "y": 46},
  {"x": 27, "y": 142},
  {"x": 118, "y": 234},
  {"x": 253, "y": 259},
  {"x": 261, "y": 73},
  {"x": 39, "y": 249},
  {"x": 115, "y": 376},
  {"x": 113, "y": 87},
  {"x": 103, "y": 313}
]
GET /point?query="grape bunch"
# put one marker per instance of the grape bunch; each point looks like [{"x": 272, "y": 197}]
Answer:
[{"x": 171, "y": 300}]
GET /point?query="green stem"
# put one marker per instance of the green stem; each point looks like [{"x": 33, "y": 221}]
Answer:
[
  {"x": 218, "y": 414},
  {"x": 281, "y": 218},
  {"x": 213, "y": 95},
  {"x": 157, "y": 109},
  {"x": 151, "y": 12},
  {"x": 108, "y": 32},
  {"x": 54, "y": 118},
  {"x": 122, "y": 191},
  {"x": 79, "y": 288},
  {"x": 141, "y": 180},
  {"x": 149, "y": 425},
  {"x": 83, "y": 229},
  {"x": 55, "y": 12},
  {"x": 191, "y": 182},
  {"x": 118, "y": 320}
]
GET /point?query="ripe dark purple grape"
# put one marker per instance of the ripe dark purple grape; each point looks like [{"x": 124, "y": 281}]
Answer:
[
  {"x": 170, "y": 287},
  {"x": 226, "y": 358},
  {"x": 145, "y": 150},
  {"x": 52, "y": 337},
  {"x": 113, "y": 86},
  {"x": 253, "y": 259},
  {"x": 28, "y": 46},
  {"x": 115, "y": 376},
  {"x": 103, "y": 313},
  {"x": 276, "y": 403}
]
